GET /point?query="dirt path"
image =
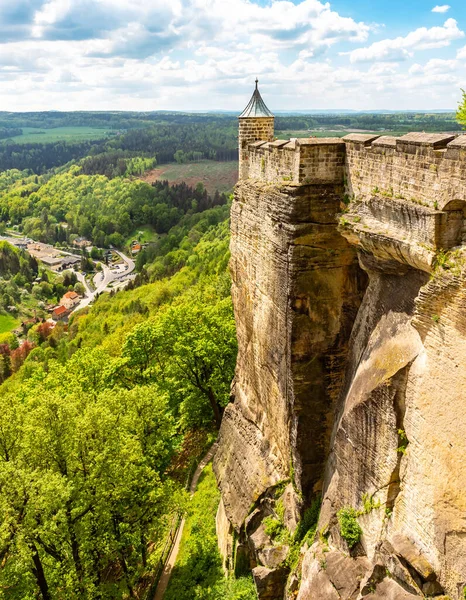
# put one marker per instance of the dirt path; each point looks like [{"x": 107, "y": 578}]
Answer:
[{"x": 165, "y": 578}]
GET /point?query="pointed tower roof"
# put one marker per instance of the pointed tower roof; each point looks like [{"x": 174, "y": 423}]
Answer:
[{"x": 256, "y": 106}]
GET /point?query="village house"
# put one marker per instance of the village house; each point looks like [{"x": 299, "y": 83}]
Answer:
[
  {"x": 69, "y": 262},
  {"x": 69, "y": 300},
  {"x": 60, "y": 313},
  {"x": 82, "y": 243}
]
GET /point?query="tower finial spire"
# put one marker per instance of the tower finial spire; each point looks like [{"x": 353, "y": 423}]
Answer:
[{"x": 256, "y": 106}]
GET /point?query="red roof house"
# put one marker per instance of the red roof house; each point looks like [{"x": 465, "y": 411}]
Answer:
[{"x": 60, "y": 313}]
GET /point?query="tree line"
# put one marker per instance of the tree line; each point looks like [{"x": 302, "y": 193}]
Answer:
[
  {"x": 170, "y": 137},
  {"x": 8, "y": 132}
]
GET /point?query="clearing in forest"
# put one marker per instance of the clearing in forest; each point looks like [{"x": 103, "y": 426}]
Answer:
[{"x": 214, "y": 175}]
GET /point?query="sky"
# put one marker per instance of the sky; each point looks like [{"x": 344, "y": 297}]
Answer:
[{"x": 205, "y": 54}]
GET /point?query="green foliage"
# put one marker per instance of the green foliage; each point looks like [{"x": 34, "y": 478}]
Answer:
[
  {"x": 403, "y": 443},
  {"x": 461, "y": 112},
  {"x": 307, "y": 526},
  {"x": 273, "y": 527},
  {"x": 349, "y": 527},
  {"x": 92, "y": 419},
  {"x": 369, "y": 504},
  {"x": 198, "y": 573},
  {"x": 106, "y": 211},
  {"x": 305, "y": 533},
  {"x": 451, "y": 261},
  {"x": 189, "y": 349},
  {"x": 89, "y": 490}
]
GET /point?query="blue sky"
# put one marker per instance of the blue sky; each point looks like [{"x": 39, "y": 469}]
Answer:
[{"x": 205, "y": 54}]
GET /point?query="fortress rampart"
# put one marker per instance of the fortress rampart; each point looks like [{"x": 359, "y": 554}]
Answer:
[
  {"x": 351, "y": 369},
  {"x": 297, "y": 161},
  {"x": 410, "y": 190},
  {"x": 427, "y": 169}
]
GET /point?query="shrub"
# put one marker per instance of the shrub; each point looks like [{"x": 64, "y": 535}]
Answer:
[
  {"x": 308, "y": 523},
  {"x": 273, "y": 527},
  {"x": 349, "y": 527}
]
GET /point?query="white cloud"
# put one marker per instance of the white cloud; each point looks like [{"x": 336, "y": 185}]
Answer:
[
  {"x": 434, "y": 66},
  {"x": 461, "y": 54},
  {"x": 441, "y": 9},
  {"x": 401, "y": 48},
  {"x": 198, "y": 54}
]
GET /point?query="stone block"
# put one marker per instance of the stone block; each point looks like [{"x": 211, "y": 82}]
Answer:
[
  {"x": 365, "y": 139},
  {"x": 270, "y": 583}
]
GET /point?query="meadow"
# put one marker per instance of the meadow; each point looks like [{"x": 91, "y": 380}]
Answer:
[
  {"x": 214, "y": 175},
  {"x": 7, "y": 323},
  {"x": 56, "y": 134}
]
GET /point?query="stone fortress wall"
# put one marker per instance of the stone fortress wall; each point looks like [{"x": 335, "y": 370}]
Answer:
[
  {"x": 340, "y": 351},
  {"x": 419, "y": 179},
  {"x": 428, "y": 169}
]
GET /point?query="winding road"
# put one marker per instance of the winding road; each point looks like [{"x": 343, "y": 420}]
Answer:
[{"x": 104, "y": 277}]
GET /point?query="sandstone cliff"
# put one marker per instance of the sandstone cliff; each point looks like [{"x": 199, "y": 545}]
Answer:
[{"x": 351, "y": 369}]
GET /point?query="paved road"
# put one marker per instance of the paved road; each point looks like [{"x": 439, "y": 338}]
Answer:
[
  {"x": 165, "y": 578},
  {"x": 106, "y": 276}
]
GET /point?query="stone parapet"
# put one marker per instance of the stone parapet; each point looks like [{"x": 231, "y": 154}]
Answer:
[
  {"x": 427, "y": 169},
  {"x": 298, "y": 161}
]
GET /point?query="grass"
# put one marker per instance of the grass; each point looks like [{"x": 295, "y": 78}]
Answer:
[
  {"x": 144, "y": 234},
  {"x": 198, "y": 573},
  {"x": 68, "y": 134},
  {"x": 7, "y": 323},
  {"x": 214, "y": 175}
]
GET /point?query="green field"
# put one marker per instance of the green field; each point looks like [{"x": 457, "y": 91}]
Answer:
[
  {"x": 144, "y": 234},
  {"x": 7, "y": 323},
  {"x": 69, "y": 134},
  {"x": 214, "y": 175}
]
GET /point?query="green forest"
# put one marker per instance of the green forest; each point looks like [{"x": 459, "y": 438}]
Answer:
[
  {"x": 94, "y": 422},
  {"x": 104, "y": 418},
  {"x": 55, "y": 208}
]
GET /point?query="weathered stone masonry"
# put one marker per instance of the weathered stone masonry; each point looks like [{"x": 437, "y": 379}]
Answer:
[{"x": 343, "y": 343}]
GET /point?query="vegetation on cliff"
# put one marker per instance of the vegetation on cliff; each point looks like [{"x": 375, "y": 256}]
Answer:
[
  {"x": 198, "y": 573},
  {"x": 461, "y": 112},
  {"x": 93, "y": 424}
]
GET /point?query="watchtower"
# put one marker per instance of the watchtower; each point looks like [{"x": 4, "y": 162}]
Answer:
[{"x": 256, "y": 123}]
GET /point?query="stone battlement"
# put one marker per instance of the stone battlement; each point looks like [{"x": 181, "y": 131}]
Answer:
[
  {"x": 297, "y": 161},
  {"x": 427, "y": 168},
  {"x": 406, "y": 195}
]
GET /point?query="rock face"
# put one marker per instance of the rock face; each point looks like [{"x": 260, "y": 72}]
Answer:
[{"x": 351, "y": 372}]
